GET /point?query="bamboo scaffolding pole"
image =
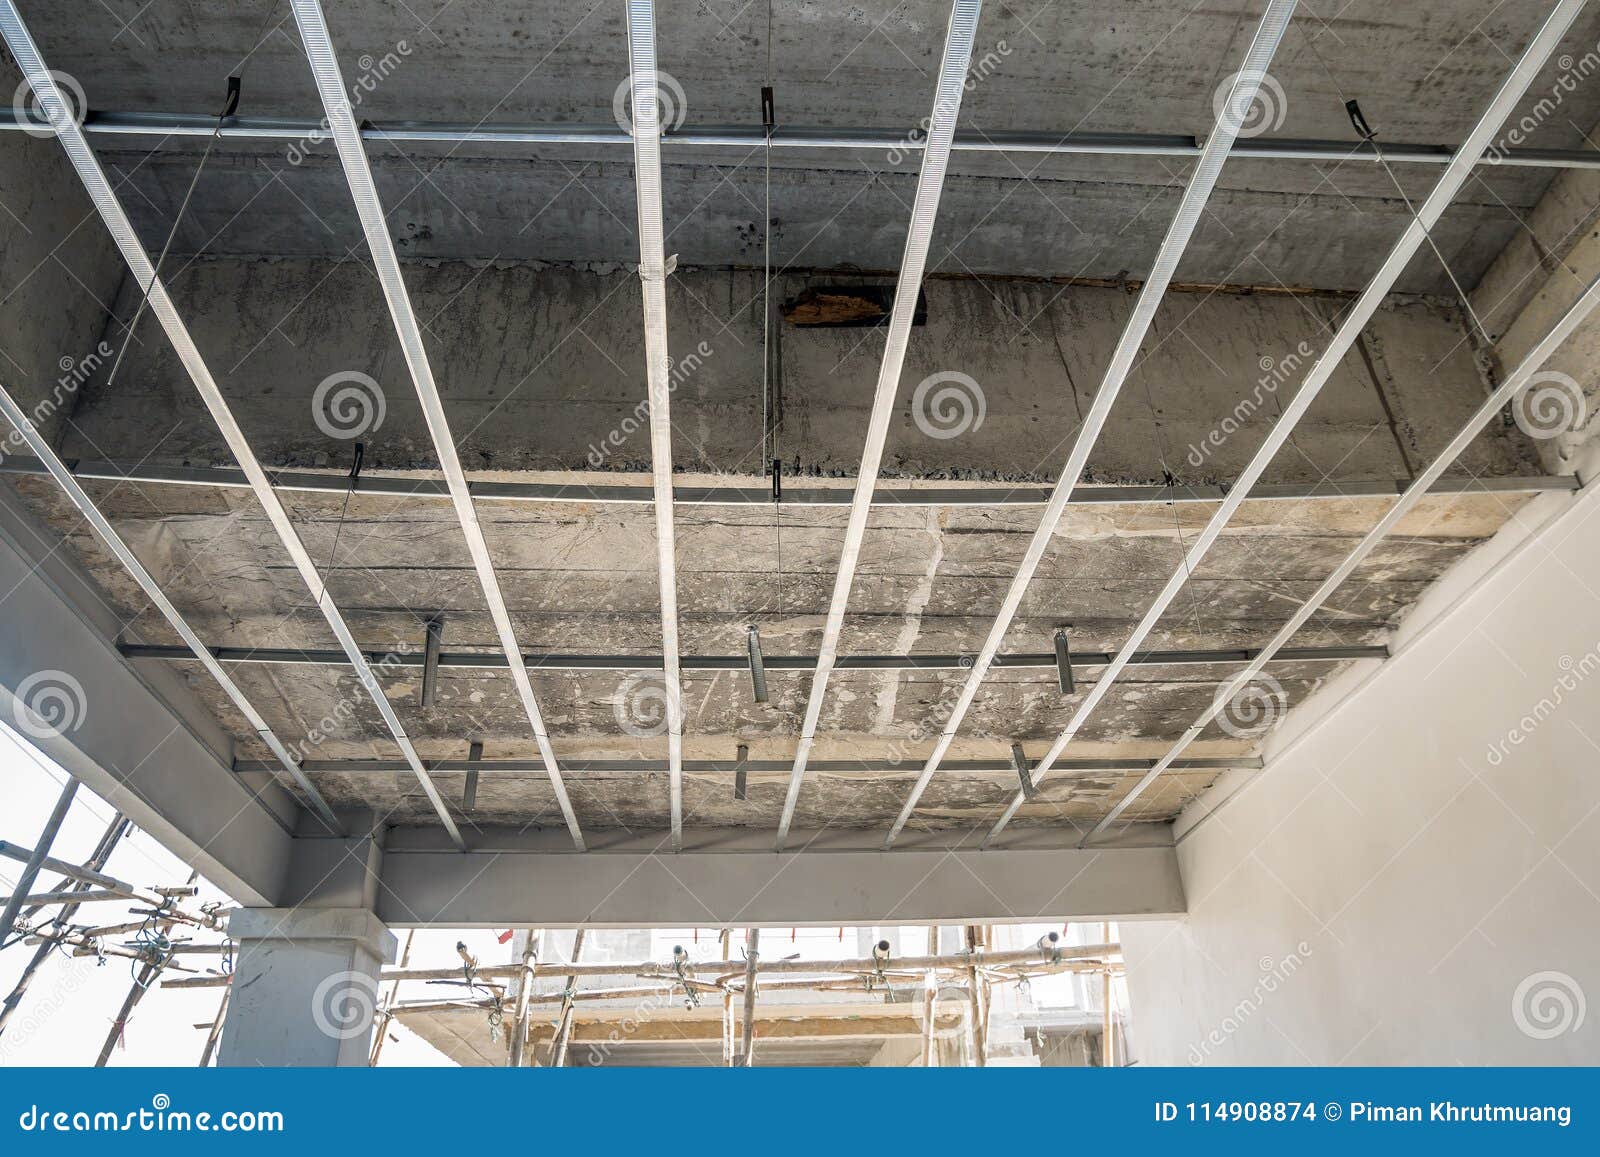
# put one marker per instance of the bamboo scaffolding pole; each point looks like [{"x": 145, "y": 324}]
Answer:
[
  {"x": 215, "y": 1034},
  {"x": 102, "y": 852},
  {"x": 388, "y": 1006},
  {"x": 97, "y": 859},
  {"x": 975, "y": 998},
  {"x": 558, "y": 1046},
  {"x": 148, "y": 973},
  {"x": 35, "y": 859},
  {"x": 727, "y": 1002},
  {"x": 930, "y": 990},
  {"x": 141, "y": 984},
  {"x": 519, "y": 1016},
  {"x": 597, "y": 994},
  {"x": 752, "y": 956},
  {"x": 1108, "y": 1047},
  {"x": 1093, "y": 957},
  {"x": 70, "y": 896},
  {"x": 82, "y": 874}
]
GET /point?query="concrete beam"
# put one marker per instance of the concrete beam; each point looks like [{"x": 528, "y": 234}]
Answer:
[
  {"x": 136, "y": 738},
  {"x": 635, "y": 887}
]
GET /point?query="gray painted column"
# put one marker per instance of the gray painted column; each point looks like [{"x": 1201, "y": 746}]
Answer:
[{"x": 305, "y": 986}]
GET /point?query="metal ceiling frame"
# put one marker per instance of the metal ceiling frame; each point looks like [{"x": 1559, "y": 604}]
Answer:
[
  {"x": 552, "y": 661},
  {"x": 325, "y": 70},
  {"x": 1230, "y": 115},
  {"x": 734, "y": 766},
  {"x": 1539, "y": 49},
  {"x": 58, "y": 109},
  {"x": 644, "y": 95},
  {"x": 152, "y": 589},
  {"x": 941, "y": 141},
  {"x": 940, "y": 135},
  {"x": 803, "y": 138},
  {"x": 999, "y": 494},
  {"x": 1491, "y": 407}
]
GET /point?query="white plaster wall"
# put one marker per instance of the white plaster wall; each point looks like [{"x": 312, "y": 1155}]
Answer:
[{"x": 1403, "y": 866}]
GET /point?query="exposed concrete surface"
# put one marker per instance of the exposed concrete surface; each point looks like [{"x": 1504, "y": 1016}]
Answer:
[
  {"x": 1422, "y": 73},
  {"x": 1413, "y": 878},
  {"x": 537, "y": 345},
  {"x": 542, "y": 368},
  {"x": 581, "y": 578},
  {"x": 1532, "y": 283},
  {"x": 58, "y": 281}
]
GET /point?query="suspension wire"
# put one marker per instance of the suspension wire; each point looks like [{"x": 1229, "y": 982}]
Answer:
[
  {"x": 1370, "y": 136},
  {"x": 230, "y": 102},
  {"x": 771, "y": 417}
]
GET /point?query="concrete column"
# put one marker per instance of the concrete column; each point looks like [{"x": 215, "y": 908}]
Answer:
[{"x": 305, "y": 986}]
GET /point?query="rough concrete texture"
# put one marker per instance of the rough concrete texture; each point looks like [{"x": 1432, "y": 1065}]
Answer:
[
  {"x": 58, "y": 279},
  {"x": 543, "y": 369},
  {"x": 537, "y": 345},
  {"x": 1533, "y": 282},
  {"x": 1422, "y": 72},
  {"x": 581, "y": 578}
]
